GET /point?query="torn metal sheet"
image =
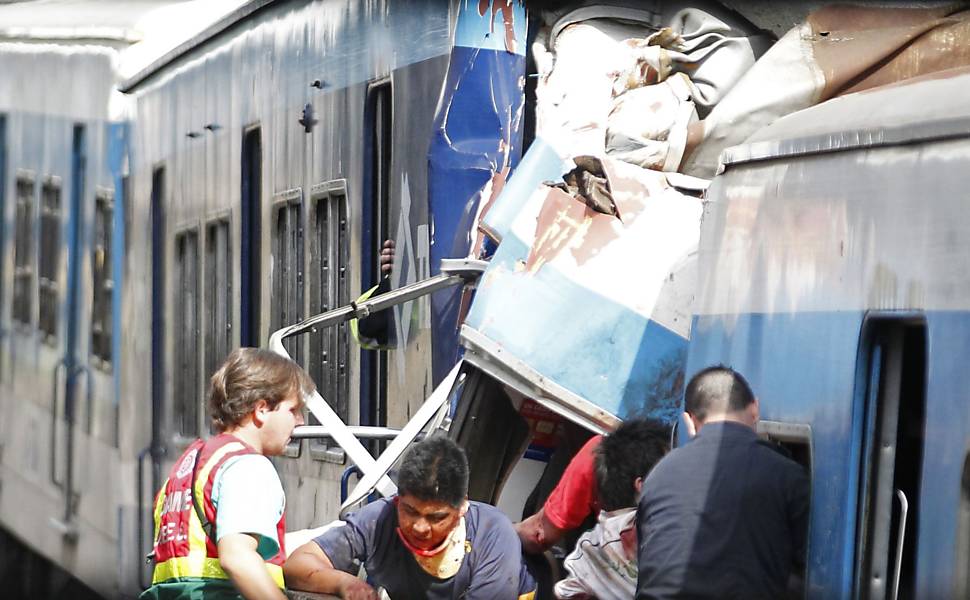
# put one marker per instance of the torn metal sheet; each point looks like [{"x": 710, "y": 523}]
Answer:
[
  {"x": 587, "y": 313},
  {"x": 541, "y": 163},
  {"x": 477, "y": 135},
  {"x": 596, "y": 70},
  {"x": 838, "y": 50}
]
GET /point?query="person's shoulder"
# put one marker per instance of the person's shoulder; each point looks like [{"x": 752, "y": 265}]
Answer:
[
  {"x": 377, "y": 509},
  {"x": 485, "y": 517},
  {"x": 256, "y": 467},
  {"x": 486, "y": 511}
]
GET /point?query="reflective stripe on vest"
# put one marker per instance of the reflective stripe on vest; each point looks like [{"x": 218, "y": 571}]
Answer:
[{"x": 182, "y": 548}]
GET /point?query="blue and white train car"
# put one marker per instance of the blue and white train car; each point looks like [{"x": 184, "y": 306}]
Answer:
[
  {"x": 833, "y": 273},
  {"x": 63, "y": 150},
  {"x": 156, "y": 218}
]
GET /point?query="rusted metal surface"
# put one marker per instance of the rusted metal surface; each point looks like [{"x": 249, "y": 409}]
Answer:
[
  {"x": 838, "y": 50},
  {"x": 862, "y": 48}
]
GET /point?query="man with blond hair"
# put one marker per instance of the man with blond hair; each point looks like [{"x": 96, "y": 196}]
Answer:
[{"x": 219, "y": 521}]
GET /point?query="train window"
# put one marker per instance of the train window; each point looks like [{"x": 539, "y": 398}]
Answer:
[
  {"x": 794, "y": 439},
  {"x": 23, "y": 288},
  {"x": 187, "y": 388},
  {"x": 50, "y": 251},
  {"x": 329, "y": 354},
  {"x": 287, "y": 301},
  {"x": 126, "y": 210},
  {"x": 218, "y": 295},
  {"x": 101, "y": 272}
]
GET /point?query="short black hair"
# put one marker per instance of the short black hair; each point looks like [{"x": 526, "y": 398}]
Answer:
[
  {"x": 717, "y": 389},
  {"x": 435, "y": 469},
  {"x": 629, "y": 452}
]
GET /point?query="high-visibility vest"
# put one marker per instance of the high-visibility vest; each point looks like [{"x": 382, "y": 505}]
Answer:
[{"x": 185, "y": 544}]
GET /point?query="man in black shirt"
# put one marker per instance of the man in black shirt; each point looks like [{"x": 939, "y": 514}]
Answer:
[{"x": 724, "y": 516}]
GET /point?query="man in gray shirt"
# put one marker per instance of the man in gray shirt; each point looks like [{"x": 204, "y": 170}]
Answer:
[{"x": 724, "y": 516}]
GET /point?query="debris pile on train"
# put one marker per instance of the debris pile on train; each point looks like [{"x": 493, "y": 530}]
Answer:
[{"x": 587, "y": 302}]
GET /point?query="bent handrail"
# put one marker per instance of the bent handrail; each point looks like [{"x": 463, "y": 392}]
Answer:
[{"x": 453, "y": 272}]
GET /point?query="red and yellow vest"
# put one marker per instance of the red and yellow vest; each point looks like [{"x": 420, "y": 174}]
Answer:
[{"x": 184, "y": 545}]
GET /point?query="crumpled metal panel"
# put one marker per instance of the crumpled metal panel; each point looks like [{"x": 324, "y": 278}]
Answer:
[
  {"x": 585, "y": 312},
  {"x": 837, "y": 51},
  {"x": 476, "y": 139}
]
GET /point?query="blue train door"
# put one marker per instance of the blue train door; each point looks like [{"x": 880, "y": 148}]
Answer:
[
  {"x": 892, "y": 457},
  {"x": 73, "y": 367},
  {"x": 249, "y": 238},
  {"x": 377, "y": 228}
]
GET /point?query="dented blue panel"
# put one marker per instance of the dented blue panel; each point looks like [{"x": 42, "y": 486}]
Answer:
[
  {"x": 591, "y": 309},
  {"x": 477, "y": 135}
]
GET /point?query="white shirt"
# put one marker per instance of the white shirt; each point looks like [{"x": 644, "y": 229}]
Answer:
[
  {"x": 600, "y": 566},
  {"x": 249, "y": 498}
]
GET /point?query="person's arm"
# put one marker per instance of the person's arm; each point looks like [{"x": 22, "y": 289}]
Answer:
[
  {"x": 499, "y": 571},
  {"x": 309, "y": 568},
  {"x": 571, "y": 501},
  {"x": 538, "y": 533},
  {"x": 246, "y": 568}
]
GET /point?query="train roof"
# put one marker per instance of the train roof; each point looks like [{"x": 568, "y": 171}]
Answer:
[
  {"x": 143, "y": 30},
  {"x": 935, "y": 106},
  {"x": 241, "y": 12}
]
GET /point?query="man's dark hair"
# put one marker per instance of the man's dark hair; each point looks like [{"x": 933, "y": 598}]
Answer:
[
  {"x": 717, "y": 389},
  {"x": 629, "y": 452},
  {"x": 435, "y": 469}
]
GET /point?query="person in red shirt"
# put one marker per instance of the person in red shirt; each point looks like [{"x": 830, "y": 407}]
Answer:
[{"x": 574, "y": 499}]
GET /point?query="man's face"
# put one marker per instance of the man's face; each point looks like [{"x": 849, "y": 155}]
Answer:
[
  {"x": 278, "y": 424},
  {"x": 426, "y": 523}
]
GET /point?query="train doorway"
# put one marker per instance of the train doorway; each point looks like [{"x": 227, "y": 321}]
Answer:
[
  {"x": 249, "y": 238},
  {"x": 158, "y": 321},
  {"x": 892, "y": 458}
]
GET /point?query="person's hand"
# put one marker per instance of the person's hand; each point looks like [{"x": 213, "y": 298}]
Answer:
[
  {"x": 357, "y": 589},
  {"x": 387, "y": 257}
]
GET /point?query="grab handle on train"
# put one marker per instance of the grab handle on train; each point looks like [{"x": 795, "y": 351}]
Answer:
[
  {"x": 900, "y": 538},
  {"x": 61, "y": 364}
]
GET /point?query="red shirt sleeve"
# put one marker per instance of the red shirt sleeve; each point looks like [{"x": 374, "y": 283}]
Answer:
[{"x": 575, "y": 496}]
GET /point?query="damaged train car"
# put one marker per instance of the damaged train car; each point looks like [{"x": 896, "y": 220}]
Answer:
[{"x": 634, "y": 243}]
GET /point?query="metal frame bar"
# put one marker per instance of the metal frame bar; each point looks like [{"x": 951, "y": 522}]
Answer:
[{"x": 453, "y": 272}]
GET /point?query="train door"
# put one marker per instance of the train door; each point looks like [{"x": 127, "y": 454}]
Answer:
[
  {"x": 892, "y": 455},
  {"x": 158, "y": 322},
  {"x": 249, "y": 249},
  {"x": 58, "y": 320},
  {"x": 3, "y": 244},
  {"x": 377, "y": 229}
]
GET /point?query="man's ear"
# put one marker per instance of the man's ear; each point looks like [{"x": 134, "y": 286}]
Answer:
[
  {"x": 754, "y": 411},
  {"x": 638, "y": 485},
  {"x": 693, "y": 424},
  {"x": 260, "y": 410}
]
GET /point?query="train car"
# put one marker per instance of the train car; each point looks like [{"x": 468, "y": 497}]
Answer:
[
  {"x": 833, "y": 275},
  {"x": 271, "y": 157},
  {"x": 63, "y": 149},
  {"x": 163, "y": 208}
]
